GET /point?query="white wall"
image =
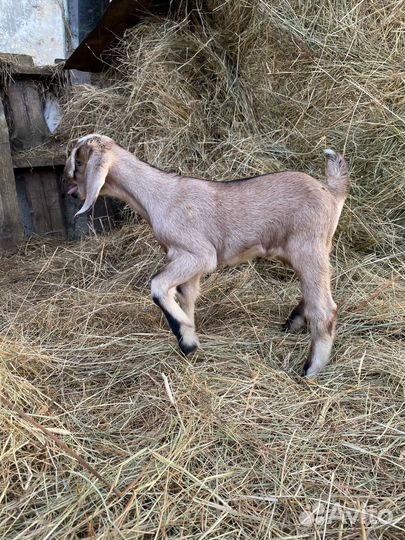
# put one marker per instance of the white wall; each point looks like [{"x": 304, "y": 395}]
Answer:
[{"x": 33, "y": 27}]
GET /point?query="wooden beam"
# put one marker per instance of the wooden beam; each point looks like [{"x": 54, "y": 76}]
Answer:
[
  {"x": 58, "y": 159},
  {"x": 11, "y": 227},
  {"x": 22, "y": 65},
  {"x": 119, "y": 15}
]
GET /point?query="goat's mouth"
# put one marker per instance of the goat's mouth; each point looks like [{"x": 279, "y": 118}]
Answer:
[{"x": 73, "y": 190}]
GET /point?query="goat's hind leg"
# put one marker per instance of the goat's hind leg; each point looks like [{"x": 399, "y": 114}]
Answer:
[
  {"x": 319, "y": 310},
  {"x": 296, "y": 320},
  {"x": 321, "y": 315},
  {"x": 323, "y": 333}
]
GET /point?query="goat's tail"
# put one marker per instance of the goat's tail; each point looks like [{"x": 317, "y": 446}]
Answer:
[{"x": 337, "y": 174}]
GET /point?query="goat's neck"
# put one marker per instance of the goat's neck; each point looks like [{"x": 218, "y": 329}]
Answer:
[{"x": 140, "y": 185}]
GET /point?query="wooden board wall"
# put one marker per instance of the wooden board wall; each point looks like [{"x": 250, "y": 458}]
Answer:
[
  {"x": 11, "y": 227},
  {"x": 32, "y": 197},
  {"x": 44, "y": 203}
]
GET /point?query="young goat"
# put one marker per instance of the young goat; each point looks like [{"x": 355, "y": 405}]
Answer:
[{"x": 203, "y": 224}]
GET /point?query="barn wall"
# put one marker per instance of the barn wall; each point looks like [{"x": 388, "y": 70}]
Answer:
[
  {"x": 33, "y": 201},
  {"x": 33, "y": 27}
]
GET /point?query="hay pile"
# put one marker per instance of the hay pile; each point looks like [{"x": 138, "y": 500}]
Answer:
[
  {"x": 261, "y": 86},
  {"x": 246, "y": 448}
]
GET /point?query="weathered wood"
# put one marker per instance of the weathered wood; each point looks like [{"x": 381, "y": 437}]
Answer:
[
  {"x": 44, "y": 201},
  {"x": 23, "y": 60},
  {"x": 26, "y": 110},
  {"x": 11, "y": 228},
  {"x": 39, "y": 160},
  {"x": 21, "y": 66},
  {"x": 23, "y": 204}
]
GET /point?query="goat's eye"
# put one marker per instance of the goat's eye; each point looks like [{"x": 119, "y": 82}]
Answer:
[{"x": 78, "y": 162}]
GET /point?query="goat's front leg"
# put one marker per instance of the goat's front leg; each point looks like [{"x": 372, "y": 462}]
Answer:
[
  {"x": 180, "y": 270},
  {"x": 187, "y": 293}
]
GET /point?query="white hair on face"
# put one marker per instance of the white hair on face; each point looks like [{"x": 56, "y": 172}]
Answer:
[
  {"x": 86, "y": 138},
  {"x": 70, "y": 164}
]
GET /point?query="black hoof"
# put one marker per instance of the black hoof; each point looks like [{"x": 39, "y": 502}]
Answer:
[{"x": 187, "y": 349}]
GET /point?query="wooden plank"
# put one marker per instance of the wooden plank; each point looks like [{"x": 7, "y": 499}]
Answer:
[
  {"x": 44, "y": 201},
  {"x": 23, "y": 203},
  {"x": 22, "y": 65},
  {"x": 23, "y": 60},
  {"x": 31, "y": 162},
  {"x": 28, "y": 123},
  {"x": 11, "y": 227},
  {"x": 38, "y": 208},
  {"x": 52, "y": 194}
]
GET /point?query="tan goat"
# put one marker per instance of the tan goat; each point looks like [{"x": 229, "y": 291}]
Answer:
[{"x": 204, "y": 224}]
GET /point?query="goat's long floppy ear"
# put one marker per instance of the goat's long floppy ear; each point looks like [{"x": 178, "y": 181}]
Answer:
[{"x": 96, "y": 173}]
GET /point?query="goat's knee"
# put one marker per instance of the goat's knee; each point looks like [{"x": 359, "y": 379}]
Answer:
[
  {"x": 322, "y": 322},
  {"x": 158, "y": 288}
]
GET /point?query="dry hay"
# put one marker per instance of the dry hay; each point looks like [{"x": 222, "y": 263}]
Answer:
[
  {"x": 235, "y": 444},
  {"x": 247, "y": 446}
]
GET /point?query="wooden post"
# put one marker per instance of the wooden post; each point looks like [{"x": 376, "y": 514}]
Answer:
[{"x": 11, "y": 227}]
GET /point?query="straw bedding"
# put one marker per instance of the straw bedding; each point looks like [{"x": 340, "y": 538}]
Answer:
[{"x": 232, "y": 442}]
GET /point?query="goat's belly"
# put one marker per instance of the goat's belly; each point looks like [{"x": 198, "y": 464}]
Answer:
[
  {"x": 245, "y": 255},
  {"x": 254, "y": 252}
]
